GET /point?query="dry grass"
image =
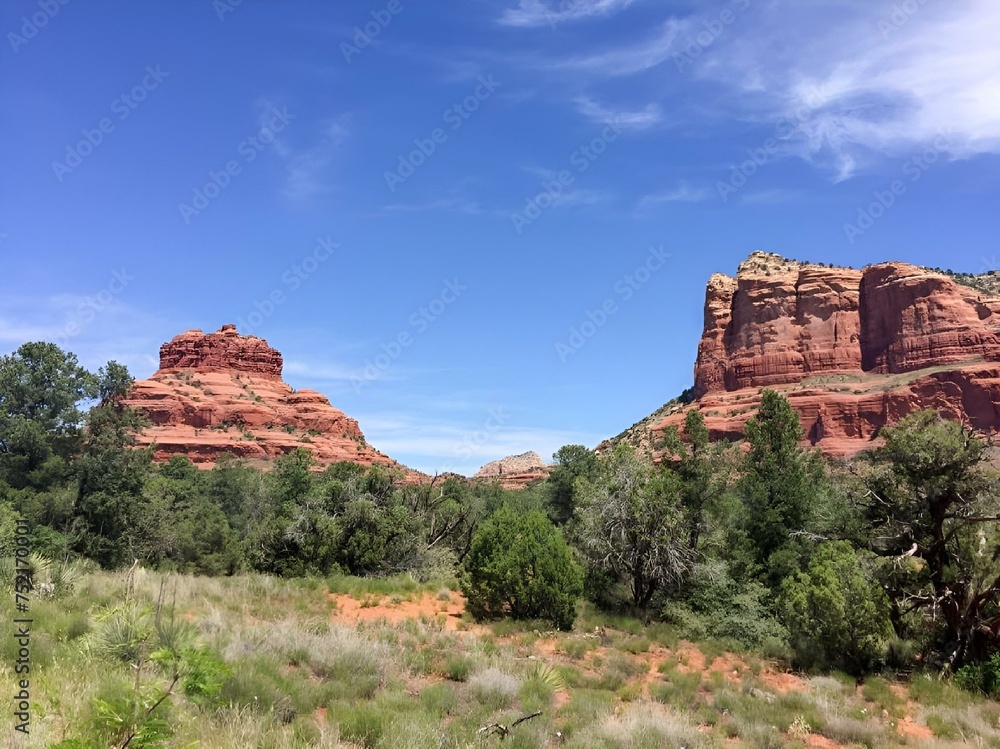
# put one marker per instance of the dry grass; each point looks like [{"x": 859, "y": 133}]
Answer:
[
  {"x": 644, "y": 725},
  {"x": 299, "y": 677}
]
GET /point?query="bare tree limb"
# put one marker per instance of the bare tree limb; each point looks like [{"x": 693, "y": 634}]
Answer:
[{"x": 503, "y": 730}]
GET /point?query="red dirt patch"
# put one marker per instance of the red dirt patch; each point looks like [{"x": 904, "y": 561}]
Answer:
[
  {"x": 821, "y": 742},
  {"x": 909, "y": 727},
  {"x": 653, "y": 659},
  {"x": 690, "y": 659},
  {"x": 427, "y": 606},
  {"x": 560, "y": 700},
  {"x": 730, "y": 666},
  {"x": 783, "y": 682},
  {"x": 547, "y": 648}
]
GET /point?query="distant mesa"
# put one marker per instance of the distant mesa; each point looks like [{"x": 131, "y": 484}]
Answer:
[
  {"x": 853, "y": 350},
  {"x": 222, "y": 392},
  {"x": 515, "y": 471}
]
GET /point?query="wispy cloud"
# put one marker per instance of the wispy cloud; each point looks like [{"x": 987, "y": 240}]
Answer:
[
  {"x": 635, "y": 57},
  {"x": 15, "y": 332},
  {"x": 326, "y": 371},
  {"x": 336, "y": 376},
  {"x": 308, "y": 168},
  {"x": 582, "y": 197},
  {"x": 455, "y": 205},
  {"x": 777, "y": 196},
  {"x": 858, "y": 90},
  {"x": 95, "y": 328},
  {"x": 538, "y": 13},
  {"x": 570, "y": 196},
  {"x": 434, "y": 443},
  {"x": 642, "y": 119},
  {"x": 681, "y": 194}
]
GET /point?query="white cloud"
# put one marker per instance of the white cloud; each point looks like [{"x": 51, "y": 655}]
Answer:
[
  {"x": 569, "y": 196},
  {"x": 308, "y": 168},
  {"x": 636, "y": 57},
  {"x": 859, "y": 90},
  {"x": 858, "y": 82},
  {"x": 681, "y": 194},
  {"x": 16, "y": 332},
  {"x": 436, "y": 443},
  {"x": 539, "y": 13},
  {"x": 325, "y": 371},
  {"x": 641, "y": 119},
  {"x": 777, "y": 196},
  {"x": 94, "y": 327},
  {"x": 581, "y": 197},
  {"x": 456, "y": 205}
]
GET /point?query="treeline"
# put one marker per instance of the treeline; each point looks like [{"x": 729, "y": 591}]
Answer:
[
  {"x": 87, "y": 490},
  {"x": 887, "y": 561}
]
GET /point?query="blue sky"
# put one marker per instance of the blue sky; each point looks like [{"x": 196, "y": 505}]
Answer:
[{"x": 479, "y": 227}]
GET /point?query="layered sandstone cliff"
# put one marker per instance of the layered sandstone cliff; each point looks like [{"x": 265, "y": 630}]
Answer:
[
  {"x": 853, "y": 350},
  {"x": 222, "y": 392},
  {"x": 515, "y": 471}
]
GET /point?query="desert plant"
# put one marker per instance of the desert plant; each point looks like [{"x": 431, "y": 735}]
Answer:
[
  {"x": 520, "y": 566},
  {"x": 835, "y": 614},
  {"x": 632, "y": 527}
]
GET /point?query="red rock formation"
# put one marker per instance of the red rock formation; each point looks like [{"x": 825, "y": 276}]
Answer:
[
  {"x": 852, "y": 350},
  {"x": 223, "y": 393},
  {"x": 914, "y": 318},
  {"x": 515, "y": 471},
  {"x": 223, "y": 351},
  {"x": 777, "y": 322}
]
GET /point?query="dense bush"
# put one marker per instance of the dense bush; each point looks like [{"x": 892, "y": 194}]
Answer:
[
  {"x": 719, "y": 607},
  {"x": 836, "y": 615},
  {"x": 983, "y": 677},
  {"x": 520, "y": 566},
  {"x": 931, "y": 503},
  {"x": 631, "y": 527}
]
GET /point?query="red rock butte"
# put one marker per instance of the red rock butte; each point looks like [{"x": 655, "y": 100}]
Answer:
[
  {"x": 222, "y": 392},
  {"x": 853, "y": 350},
  {"x": 515, "y": 471}
]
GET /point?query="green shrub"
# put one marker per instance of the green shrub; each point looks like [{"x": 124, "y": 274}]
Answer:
[
  {"x": 121, "y": 712},
  {"x": 438, "y": 699},
  {"x": 677, "y": 689},
  {"x": 520, "y": 566},
  {"x": 364, "y": 724},
  {"x": 879, "y": 691},
  {"x": 983, "y": 676},
  {"x": 204, "y": 675},
  {"x": 646, "y": 727},
  {"x": 494, "y": 688},
  {"x": 719, "y": 607},
  {"x": 901, "y": 655},
  {"x": 457, "y": 667},
  {"x": 578, "y": 647},
  {"x": 942, "y": 728},
  {"x": 835, "y": 614}
]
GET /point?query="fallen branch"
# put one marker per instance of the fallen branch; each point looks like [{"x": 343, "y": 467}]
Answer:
[{"x": 503, "y": 730}]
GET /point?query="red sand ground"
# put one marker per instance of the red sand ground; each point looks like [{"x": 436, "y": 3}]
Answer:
[
  {"x": 430, "y": 607},
  {"x": 427, "y": 606}
]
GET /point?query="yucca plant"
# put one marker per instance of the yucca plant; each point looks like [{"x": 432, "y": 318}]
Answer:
[{"x": 122, "y": 632}]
